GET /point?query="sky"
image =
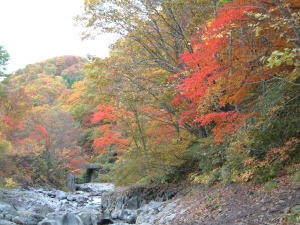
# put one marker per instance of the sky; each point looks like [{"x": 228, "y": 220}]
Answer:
[{"x": 35, "y": 30}]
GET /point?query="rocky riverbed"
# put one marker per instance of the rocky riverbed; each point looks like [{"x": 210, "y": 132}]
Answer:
[
  {"x": 53, "y": 207},
  {"x": 96, "y": 204}
]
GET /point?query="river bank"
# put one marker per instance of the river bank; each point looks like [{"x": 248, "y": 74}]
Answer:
[{"x": 96, "y": 204}]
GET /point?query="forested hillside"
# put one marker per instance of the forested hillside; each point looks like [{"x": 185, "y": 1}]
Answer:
[
  {"x": 39, "y": 139},
  {"x": 201, "y": 91}
]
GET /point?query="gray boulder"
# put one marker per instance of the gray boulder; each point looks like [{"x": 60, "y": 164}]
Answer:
[
  {"x": 48, "y": 222},
  {"x": 60, "y": 195},
  {"x": 148, "y": 212},
  {"x": 5, "y": 222},
  {"x": 71, "y": 219},
  {"x": 91, "y": 217},
  {"x": 27, "y": 218},
  {"x": 7, "y": 212}
]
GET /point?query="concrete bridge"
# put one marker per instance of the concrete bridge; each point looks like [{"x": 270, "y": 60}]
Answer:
[
  {"x": 91, "y": 170},
  {"x": 90, "y": 173}
]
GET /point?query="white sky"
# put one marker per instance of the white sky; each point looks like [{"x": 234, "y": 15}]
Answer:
[{"x": 35, "y": 30}]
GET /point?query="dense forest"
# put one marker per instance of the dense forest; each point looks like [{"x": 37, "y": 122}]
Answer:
[{"x": 200, "y": 91}]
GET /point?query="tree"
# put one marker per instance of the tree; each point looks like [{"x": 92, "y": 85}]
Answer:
[
  {"x": 225, "y": 69},
  {"x": 161, "y": 28},
  {"x": 4, "y": 57}
]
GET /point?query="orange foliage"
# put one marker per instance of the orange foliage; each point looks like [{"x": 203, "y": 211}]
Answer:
[
  {"x": 104, "y": 113},
  {"x": 111, "y": 136},
  {"x": 225, "y": 122}
]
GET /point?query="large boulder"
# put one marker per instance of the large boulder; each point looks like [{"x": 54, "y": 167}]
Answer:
[
  {"x": 71, "y": 219},
  {"x": 27, "y": 218},
  {"x": 125, "y": 205},
  {"x": 90, "y": 217},
  {"x": 5, "y": 222},
  {"x": 48, "y": 222},
  {"x": 60, "y": 195},
  {"x": 7, "y": 212}
]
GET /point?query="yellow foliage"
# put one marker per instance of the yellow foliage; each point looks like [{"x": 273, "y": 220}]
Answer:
[
  {"x": 246, "y": 176},
  {"x": 196, "y": 178},
  {"x": 10, "y": 183},
  {"x": 281, "y": 153}
]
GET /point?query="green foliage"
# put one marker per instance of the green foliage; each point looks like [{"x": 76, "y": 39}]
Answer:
[
  {"x": 279, "y": 110},
  {"x": 296, "y": 176},
  {"x": 293, "y": 216},
  {"x": 79, "y": 110},
  {"x": 135, "y": 169},
  {"x": 288, "y": 57},
  {"x": 221, "y": 3},
  {"x": 267, "y": 173},
  {"x": 206, "y": 155},
  {"x": 47, "y": 169},
  {"x": 271, "y": 185},
  {"x": 5, "y": 146}
]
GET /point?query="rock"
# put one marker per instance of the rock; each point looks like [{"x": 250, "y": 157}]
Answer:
[
  {"x": 121, "y": 223},
  {"x": 48, "y": 222},
  {"x": 27, "y": 218},
  {"x": 91, "y": 217},
  {"x": 71, "y": 198},
  {"x": 129, "y": 216},
  {"x": 7, "y": 211},
  {"x": 133, "y": 203},
  {"x": 146, "y": 213},
  {"x": 60, "y": 195},
  {"x": 5, "y": 222},
  {"x": 51, "y": 194},
  {"x": 71, "y": 219},
  {"x": 81, "y": 199},
  {"x": 263, "y": 208},
  {"x": 49, "y": 207},
  {"x": 106, "y": 222}
]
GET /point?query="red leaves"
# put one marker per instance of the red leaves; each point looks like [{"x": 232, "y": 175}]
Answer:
[
  {"x": 111, "y": 136},
  {"x": 228, "y": 17},
  {"x": 225, "y": 122},
  {"x": 201, "y": 93},
  {"x": 104, "y": 113},
  {"x": 42, "y": 130},
  {"x": 7, "y": 120}
]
